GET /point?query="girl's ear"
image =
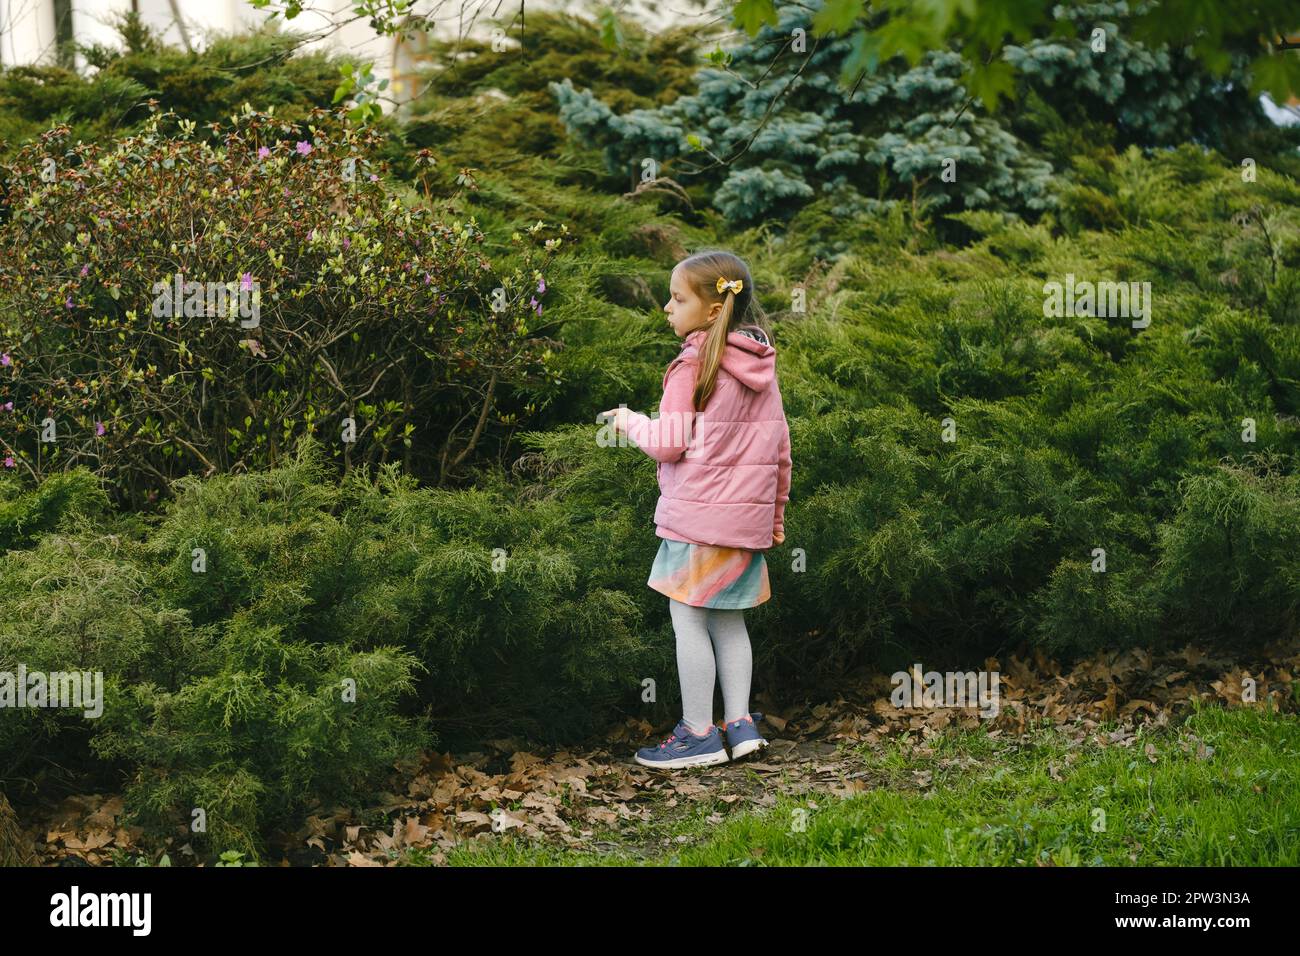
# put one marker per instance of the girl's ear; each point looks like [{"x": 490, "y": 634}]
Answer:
[{"x": 714, "y": 310}]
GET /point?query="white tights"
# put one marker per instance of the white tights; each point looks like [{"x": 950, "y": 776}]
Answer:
[{"x": 711, "y": 641}]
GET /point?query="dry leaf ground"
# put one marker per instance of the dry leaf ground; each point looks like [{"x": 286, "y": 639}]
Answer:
[{"x": 566, "y": 805}]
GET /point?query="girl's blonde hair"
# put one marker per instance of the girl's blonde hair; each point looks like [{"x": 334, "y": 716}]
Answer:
[{"x": 702, "y": 272}]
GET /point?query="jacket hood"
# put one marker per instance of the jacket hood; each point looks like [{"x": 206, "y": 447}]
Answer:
[{"x": 750, "y": 362}]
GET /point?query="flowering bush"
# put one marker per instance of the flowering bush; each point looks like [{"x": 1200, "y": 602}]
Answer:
[{"x": 174, "y": 303}]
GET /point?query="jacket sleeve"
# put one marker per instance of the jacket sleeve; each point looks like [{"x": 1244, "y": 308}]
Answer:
[
  {"x": 666, "y": 438},
  {"x": 782, "y": 479}
]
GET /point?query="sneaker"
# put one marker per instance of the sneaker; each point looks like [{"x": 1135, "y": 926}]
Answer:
[
  {"x": 743, "y": 736},
  {"x": 684, "y": 749}
]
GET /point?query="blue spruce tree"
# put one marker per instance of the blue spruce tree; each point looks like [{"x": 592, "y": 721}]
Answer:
[{"x": 771, "y": 127}]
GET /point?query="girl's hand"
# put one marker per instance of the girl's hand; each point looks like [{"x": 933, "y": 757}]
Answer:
[
  {"x": 778, "y": 537},
  {"x": 619, "y": 415}
]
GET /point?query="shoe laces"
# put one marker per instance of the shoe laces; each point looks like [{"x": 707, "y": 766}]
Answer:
[{"x": 673, "y": 736}]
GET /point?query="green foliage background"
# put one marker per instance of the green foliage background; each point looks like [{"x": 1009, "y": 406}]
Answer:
[{"x": 515, "y": 602}]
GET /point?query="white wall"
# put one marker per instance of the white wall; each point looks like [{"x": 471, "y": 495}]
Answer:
[
  {"x": 27, "y": 26},
  {"x": 26, "y": 31}
]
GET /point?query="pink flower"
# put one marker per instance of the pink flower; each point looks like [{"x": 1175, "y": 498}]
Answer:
[
  {"x": 68, "y": 301},
  {"x": 263, "y": 152},
  {"x": 303, "y": 147},
  {"x": 246, "y": 280},
  {"x": 9, "y": 406},
  {"x": 5, "y": 359},
  {"x": 346, "y": 243},
  {"x": 9, "y": 461},
  {"x": 541, "y": 286},
  {"x": 374, "y": 178},
  {"x": 99, "y": 428},
  {"x": 85, "y": 268}
]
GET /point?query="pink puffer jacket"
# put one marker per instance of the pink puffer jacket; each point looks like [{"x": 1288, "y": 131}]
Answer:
[{"x": 726, "y": 480}]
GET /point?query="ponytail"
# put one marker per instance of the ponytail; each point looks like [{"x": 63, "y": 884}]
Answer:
[{"x": 715, "y": 343}]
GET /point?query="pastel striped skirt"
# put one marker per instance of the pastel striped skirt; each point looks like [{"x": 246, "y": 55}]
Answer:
[{"x": 705, "y": 575}]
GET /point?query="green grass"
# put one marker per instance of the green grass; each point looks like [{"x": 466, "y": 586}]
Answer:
[{"x": 992, "y": 802}]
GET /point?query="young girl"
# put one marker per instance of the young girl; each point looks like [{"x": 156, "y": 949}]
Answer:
[{"x": 723, "y": 447}]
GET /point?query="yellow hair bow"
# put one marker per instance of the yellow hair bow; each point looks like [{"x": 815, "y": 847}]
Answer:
[{"x": 735, "y": 285}]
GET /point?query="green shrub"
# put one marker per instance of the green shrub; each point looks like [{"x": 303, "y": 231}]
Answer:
[
  {"x": 1227, "y": 560},
  {"x": 226, "y": 629},
  {"x": 264, "y": 68},
  {"x": 26, "y": 514}
]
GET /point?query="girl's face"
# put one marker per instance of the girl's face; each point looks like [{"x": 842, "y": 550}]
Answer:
[{"x": 686, "y": 310}]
